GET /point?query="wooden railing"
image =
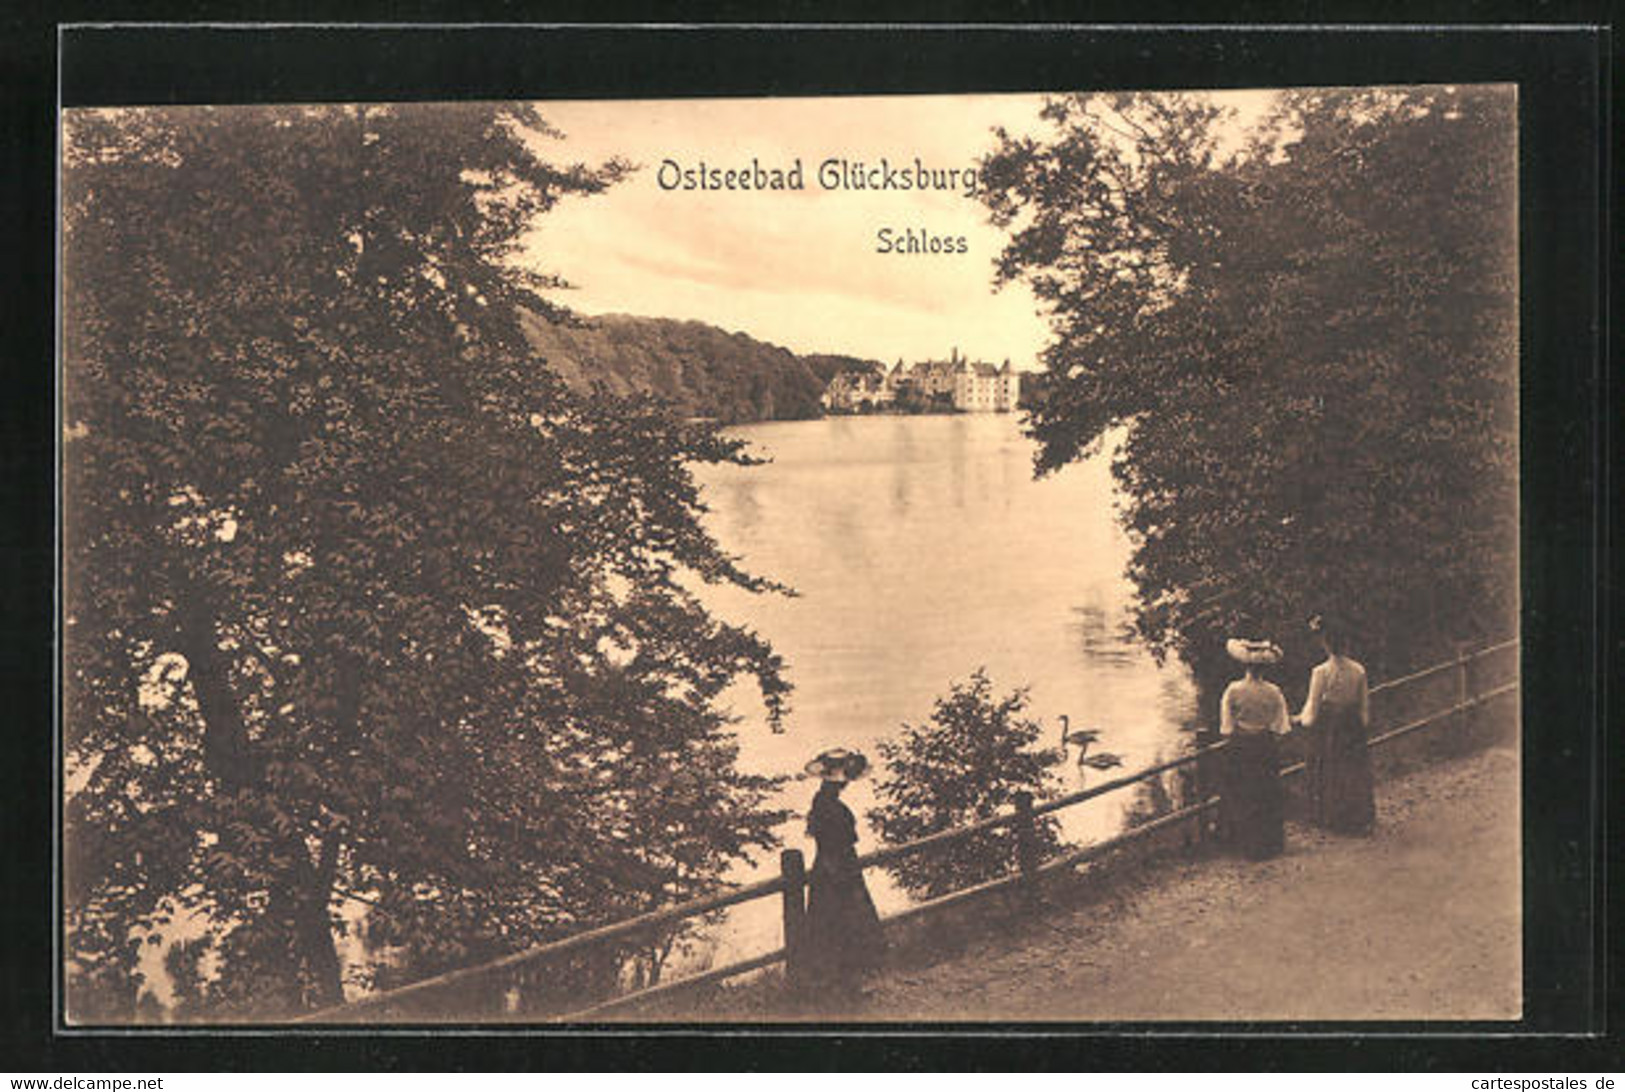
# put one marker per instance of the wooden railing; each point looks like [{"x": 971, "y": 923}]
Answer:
[{"x": 790, "y": 884}]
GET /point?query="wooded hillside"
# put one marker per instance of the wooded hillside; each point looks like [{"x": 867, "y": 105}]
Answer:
[{"x": 704, "y": 370}]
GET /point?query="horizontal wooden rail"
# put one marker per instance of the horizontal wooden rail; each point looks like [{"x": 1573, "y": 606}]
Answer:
[
  {"x": 903, "y": 849},
  {"x": 953, "y": 898},
  {"x": 1082, "y": 855},
  {"x": 776, "y": 885},
  {"x": 676, "y": 985},
  {"x": 1122, "y": 782},
  {"x": 1459, "y": 707},
  {"x": 1072, "y": 859},
  {"x": 1421, "y": 722},
  {"x": 1090, "y": 852},
  {"x": 690, "y": 909},
  {"x": 1404, "y": 680}
]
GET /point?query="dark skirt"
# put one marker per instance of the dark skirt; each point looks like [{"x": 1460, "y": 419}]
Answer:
[
  {"x": 844, "y": 940},
  {"x": 1253, "y": 805},
  {"x": 1339, "y": 772}
]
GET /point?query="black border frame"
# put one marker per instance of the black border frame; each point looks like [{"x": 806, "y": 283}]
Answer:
[{"x": 1563, "y": 74}]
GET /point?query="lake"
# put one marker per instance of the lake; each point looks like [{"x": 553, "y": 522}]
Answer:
[{"x": 922, "y": 548}]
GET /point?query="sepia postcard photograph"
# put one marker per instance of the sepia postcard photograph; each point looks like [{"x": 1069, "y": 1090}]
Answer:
[{"x": 786, "y": 561}]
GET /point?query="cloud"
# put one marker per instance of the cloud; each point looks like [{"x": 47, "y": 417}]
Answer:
[{"x": 799, "y": 268}]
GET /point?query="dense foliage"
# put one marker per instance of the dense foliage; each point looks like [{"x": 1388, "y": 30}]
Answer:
[
  {"x": 699, "y": 369},
  {"x": 963, "y": 765},
  {"x": 360, "y": 601},
  {"x": 1306, "y": 345}
]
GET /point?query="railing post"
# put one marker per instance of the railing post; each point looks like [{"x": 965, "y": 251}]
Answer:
[
  {"x": 794, "y": 870},
  {"x": 1462, "y": 722},
  {"x": 1207, "y": 780},
  {"x": 1026, "y": 844}
]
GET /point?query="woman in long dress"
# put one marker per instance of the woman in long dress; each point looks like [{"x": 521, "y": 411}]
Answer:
[
  {"x": 1337, "y": 714},
  {"x": 1252, "y": 715},
  {"x": 843, "y": 939}
]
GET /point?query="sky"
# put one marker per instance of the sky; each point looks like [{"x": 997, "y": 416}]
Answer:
[{"x": 801, "y": 269}]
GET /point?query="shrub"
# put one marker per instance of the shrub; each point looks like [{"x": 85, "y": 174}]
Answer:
[{"x": 963, "y": 765}]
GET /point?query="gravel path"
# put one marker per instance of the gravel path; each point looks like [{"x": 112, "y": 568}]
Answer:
[{"x": 1420, "y": 921}]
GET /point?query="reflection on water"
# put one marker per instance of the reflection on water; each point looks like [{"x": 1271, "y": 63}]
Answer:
[
  {"x": 1100, "y": 640},
  {"x": 738, "y": 499},
  {"x": 922, "y": 549}
]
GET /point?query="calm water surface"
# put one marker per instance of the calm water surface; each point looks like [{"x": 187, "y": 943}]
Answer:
[{"x": 922, "y": 548}]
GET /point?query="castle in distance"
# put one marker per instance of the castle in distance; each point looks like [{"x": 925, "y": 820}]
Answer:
[{"x": 956, "y": 383}]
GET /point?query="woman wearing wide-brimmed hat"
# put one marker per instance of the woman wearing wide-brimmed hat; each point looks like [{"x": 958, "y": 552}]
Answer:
[
  {"x": 1252, "y": 714},
  {"x": 843, "y": 938},
  {"x": 1337, "y": 714}
]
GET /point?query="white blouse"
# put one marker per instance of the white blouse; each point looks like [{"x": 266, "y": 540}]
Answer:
[
  {"x": 1252, "y": 706},
  {"x": 1339, "y": 680}
]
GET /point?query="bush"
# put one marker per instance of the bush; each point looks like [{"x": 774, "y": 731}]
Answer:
[{"x": 963, "y": 765}]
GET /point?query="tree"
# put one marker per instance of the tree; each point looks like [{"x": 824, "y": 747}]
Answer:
[
  {"x": 360, "y": 601},
  {"x": 1306, "y": 347},
  {"x": 965, "y": 764}
]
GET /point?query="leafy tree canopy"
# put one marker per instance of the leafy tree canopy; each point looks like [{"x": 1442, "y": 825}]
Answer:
[
  {"x": 360, "y": 601},
  {"x": 963, "y": 765},
  {"x": 1307, "y": 346}
]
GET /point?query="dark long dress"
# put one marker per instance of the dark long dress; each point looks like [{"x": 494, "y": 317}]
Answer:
[
  {"x": 1251, "y": 712},
  {"x": 1340, "y": 770},
  {"x": 1254, "y": 810},
  {"x": 843, "y": 939}
]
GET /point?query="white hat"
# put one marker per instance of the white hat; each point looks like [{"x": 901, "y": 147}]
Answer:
[{"x": 1247, "y": 651}]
